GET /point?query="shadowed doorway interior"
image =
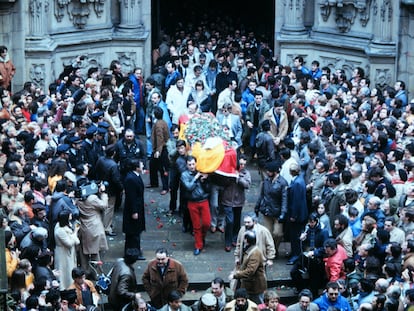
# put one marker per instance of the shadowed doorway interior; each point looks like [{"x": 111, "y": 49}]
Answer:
[{"x": 171, "y": 16}]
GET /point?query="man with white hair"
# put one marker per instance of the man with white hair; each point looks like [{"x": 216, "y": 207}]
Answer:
[
  {"x": 381, "y": 286},
  {"x": 374, "y": 210}
]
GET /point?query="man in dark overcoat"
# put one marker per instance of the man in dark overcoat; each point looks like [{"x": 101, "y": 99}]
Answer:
[{"x": 134, "y": 215}]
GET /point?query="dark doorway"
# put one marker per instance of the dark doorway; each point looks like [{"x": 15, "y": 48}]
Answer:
[{"x": 171, "y": 16}]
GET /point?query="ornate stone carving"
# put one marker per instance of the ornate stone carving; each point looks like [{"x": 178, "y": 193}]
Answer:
[
  {"x": 382, "y": 12},
  {"x": 38, "y": 10},
  {"x": 78, "y": 10},
  {"x": 325, "y": 11},
  {"x": 345, "y": 17},
  {"x": 383, "y": 77},
  {"x": 90, "y": 60},
  {"x": 363, "y": 8},
  {"x": 79, "y": 15},
  {"x": 127, "y": 61},
  {"x": 37, "y": 74},
  {"x": 98, "y": 6},
  {"x": 346, "y": 12},
  {"x": 343, "y": 63},
  {"x": 60, "y": 6},
  {"x": 386, "y": 11},
  {"x": 130, "y": 3}
]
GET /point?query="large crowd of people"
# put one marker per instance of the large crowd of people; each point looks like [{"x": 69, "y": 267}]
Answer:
[{"x": 335, "y": 154}]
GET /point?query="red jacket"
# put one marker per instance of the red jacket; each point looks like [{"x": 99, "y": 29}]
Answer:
[{"x": 333, "y": 265}]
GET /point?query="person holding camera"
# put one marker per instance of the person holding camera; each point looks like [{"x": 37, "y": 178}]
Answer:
[{"x": 92, "y": 232}]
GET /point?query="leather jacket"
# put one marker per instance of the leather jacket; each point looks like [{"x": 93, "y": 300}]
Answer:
[
  {"x": 196, "y": 190},
  {"x": 272, "y": 201}
]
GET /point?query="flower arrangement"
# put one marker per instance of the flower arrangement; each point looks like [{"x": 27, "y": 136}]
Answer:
[{"x": 203, "y": 126}]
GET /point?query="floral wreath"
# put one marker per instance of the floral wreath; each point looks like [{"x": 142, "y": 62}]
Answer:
[{"x": 204, "y": 126}]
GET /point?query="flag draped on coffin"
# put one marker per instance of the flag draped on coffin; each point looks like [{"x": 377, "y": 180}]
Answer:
[{"x": 210, "y": 145}]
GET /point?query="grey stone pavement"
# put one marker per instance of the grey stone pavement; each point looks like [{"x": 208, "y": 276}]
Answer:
[{"x": 212, "y": 262}]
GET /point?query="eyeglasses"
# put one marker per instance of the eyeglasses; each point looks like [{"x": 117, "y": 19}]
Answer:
[{"x": 333, "y": 294}]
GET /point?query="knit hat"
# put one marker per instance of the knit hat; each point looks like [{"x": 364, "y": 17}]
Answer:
[{"x": 209, "y": 300}]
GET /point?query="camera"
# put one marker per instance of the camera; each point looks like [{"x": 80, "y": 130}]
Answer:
[{"x": 86, "y": 190}]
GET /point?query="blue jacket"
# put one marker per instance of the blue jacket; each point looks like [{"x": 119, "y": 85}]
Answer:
[
  {"x": 171, "y": 79},
  {"x": 356, "y": 226},
  {"x": 137, "y": 89},
  {"x": 248, "y": 96},
  {"x": 166, "y": 113},
  {"x": 297, "y": 207},
  {"x": 324, "y": 303},
  {"x": 377, "y": 214}
]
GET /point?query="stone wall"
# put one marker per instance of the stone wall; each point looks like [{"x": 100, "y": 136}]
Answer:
[
  {"x": 54, "y": 32},
  {"x": 343, "y": 34},
  {"x": 406, "y": 46},
  {"x": 44, "y": 35}
]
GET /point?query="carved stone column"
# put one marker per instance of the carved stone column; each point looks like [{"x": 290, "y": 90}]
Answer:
[
  {"x": 382, "y": 12},
  {"x": 130, "y": 14},
  {"x": 39, "y": 10},
  {"x": 294, "y": 17}
]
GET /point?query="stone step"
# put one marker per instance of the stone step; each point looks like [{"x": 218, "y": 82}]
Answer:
[{"x": 196, "y": 290}]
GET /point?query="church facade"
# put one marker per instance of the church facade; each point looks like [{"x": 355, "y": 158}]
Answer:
[{"x": 45, "y": 35}]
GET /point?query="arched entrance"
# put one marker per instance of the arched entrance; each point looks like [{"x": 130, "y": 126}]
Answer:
[{"x": 172, "y": 16}]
